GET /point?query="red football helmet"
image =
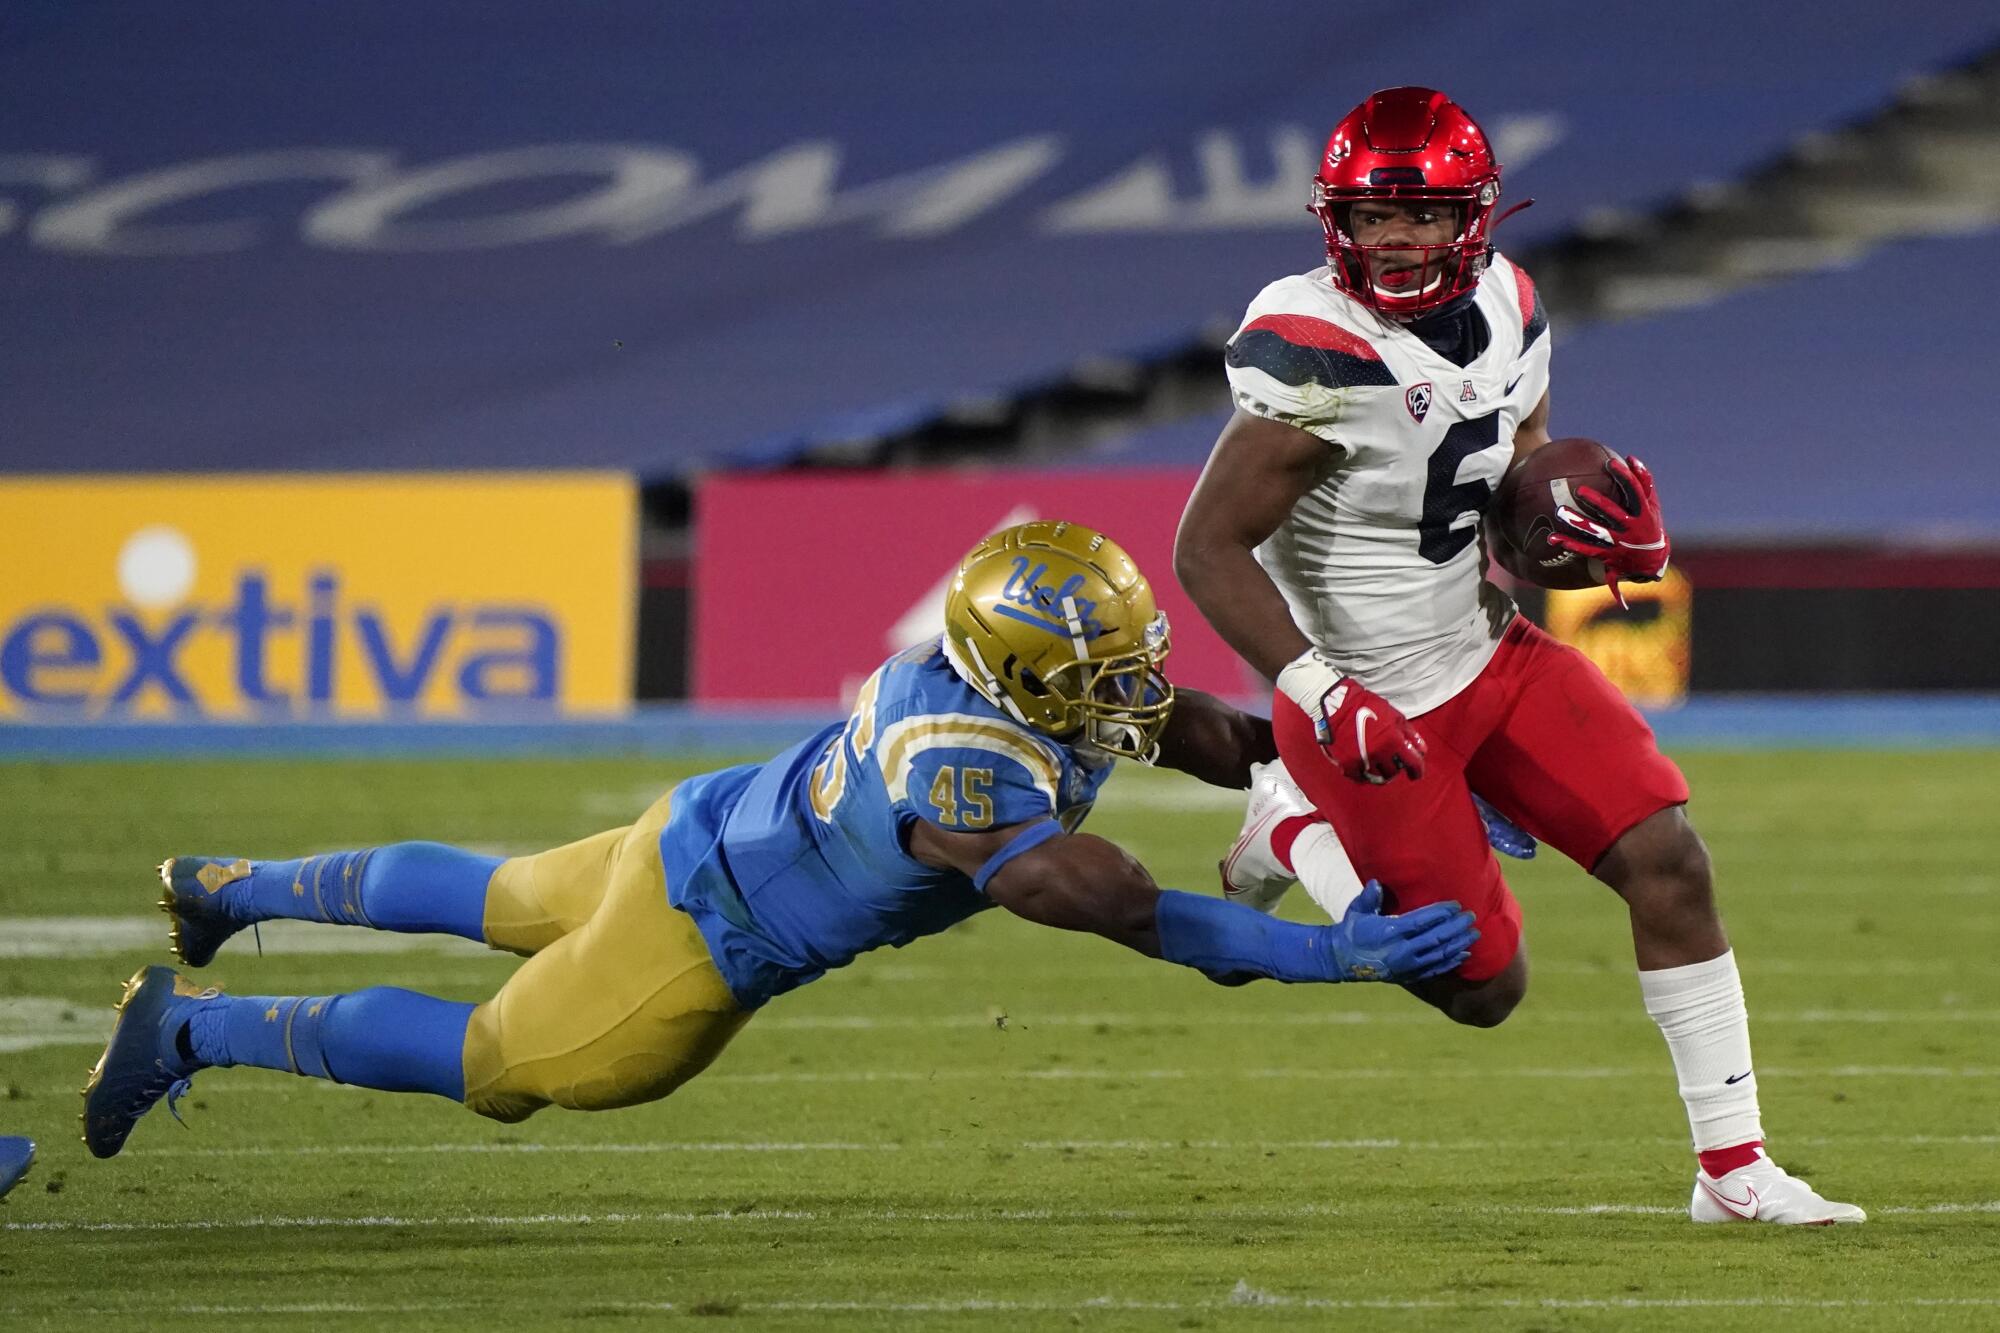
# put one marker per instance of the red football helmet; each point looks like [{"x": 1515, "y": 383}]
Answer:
[{"x": 1408, "y": 144}]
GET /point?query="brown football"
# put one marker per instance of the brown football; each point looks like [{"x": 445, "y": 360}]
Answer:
[{"x": 1523, "y": 512}]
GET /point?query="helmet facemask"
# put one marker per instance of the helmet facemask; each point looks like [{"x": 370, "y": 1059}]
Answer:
[
  {"x": 1445, "y": 270},
  {"x": 1120, "y": 704}
]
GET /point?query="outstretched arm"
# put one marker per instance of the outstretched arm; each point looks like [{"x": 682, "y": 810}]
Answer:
[
  {"x": 1078, "y": 881},
  {"x": 1081, "y": 882},
  {"x": 1208, "y": 739}
]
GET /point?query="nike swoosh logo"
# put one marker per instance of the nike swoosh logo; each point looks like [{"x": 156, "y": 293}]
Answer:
[
  {"x": 1243, "y": 844},
  {"x": 1738, "y": 1078},
  {"x": 1576, "y": 520},
  {"x": 1516, "y": 384},
  {"x": 1743, "y": 1208},
  {"x": 1362, "y": 718}
]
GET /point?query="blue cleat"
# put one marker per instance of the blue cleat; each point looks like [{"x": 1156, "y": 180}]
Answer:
[
  {"x": 193, "y": 901},
  {"x": 143, "y": 1062},
  {"x": 1506, "y": 837},
  {"x": 16, "y": 1156}
]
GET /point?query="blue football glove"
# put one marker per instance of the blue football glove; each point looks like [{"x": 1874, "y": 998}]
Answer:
[
  {"x": 1507, "y": 837},
  {"x": 1365, "y": 945}
]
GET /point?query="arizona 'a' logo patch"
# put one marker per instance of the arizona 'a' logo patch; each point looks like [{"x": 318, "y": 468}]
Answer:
[{"x": 1418, "y": 399}]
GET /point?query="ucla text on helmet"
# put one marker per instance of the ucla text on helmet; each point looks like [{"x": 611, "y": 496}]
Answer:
[
  {"x": 1054, "y": 624},
  {"x": 1063, "y": 610}
]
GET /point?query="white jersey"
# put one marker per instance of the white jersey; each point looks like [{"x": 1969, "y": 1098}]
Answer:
[{"x": 1380, "y": 560}]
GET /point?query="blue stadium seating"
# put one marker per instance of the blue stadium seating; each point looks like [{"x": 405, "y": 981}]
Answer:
[
  {"x": 1843, "y": 403},
  {"x": 459, "y": 234}
]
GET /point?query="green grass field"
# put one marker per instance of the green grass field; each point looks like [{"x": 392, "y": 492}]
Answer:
[{"x": 1005, "y": 1127}]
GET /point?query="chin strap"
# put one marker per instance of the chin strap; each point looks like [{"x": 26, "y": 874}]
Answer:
[{"x": 1529, "y": 202}]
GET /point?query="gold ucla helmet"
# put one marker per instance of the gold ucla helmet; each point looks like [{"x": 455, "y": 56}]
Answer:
[{"x": 1054, "y": 625}]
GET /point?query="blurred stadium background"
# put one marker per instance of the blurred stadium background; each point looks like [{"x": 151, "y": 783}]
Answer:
[
  {"x": 531, "y": 379},
  {"x": 839, "y": 289}
]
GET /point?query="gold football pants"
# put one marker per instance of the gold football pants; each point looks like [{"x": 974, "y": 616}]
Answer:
[{"x": 619, "y": 1001}]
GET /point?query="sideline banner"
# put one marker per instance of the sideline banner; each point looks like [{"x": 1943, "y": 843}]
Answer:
[
  {"x": 324, "y": 597},
  {"x": 805, "y": 582}
]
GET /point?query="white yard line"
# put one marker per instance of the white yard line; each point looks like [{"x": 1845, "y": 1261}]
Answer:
[
  {"x": 294, "y": 1087},
  {"x": 1042, "y": 1216},
  {"x": 1244, "y": 1297},
  {"x": 866, "y": 971},
  {"x": 1330, "y": 1073},
  {"x": 1133, "y": 1145},
  {"x": 95, "y": 936},
  {"x": 1331, "y": 1018},
  {"x": 32, "y": 1022}
]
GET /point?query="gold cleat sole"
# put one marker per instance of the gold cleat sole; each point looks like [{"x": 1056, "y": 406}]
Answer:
[
  {"x": 173, "y": 917},
  {"x": 97, "y": 1070},
  {"x": 212, "y": 878}
]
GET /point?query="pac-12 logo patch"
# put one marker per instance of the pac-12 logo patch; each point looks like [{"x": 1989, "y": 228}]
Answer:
[{"x": 1418, "y": 399}]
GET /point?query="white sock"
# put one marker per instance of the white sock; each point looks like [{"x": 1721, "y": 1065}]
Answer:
[
  {"x": 1700, "y": 1012},
  {"x": 1322, "y": 866}
]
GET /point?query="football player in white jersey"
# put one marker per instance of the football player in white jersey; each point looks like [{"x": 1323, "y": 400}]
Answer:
[{"x": 1333, "y": 540}]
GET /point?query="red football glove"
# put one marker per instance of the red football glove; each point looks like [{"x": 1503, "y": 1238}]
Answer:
[
  {"x": 1367, "y": 739},
  {"x": 1630, "y": 544}
]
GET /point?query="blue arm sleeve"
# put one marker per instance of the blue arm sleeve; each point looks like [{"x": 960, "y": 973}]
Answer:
[
  {"x": 1230, "y": 942},
  {"x": 1029, "y": 838}
]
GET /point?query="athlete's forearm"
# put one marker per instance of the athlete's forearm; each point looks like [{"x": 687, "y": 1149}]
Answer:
[
  {"x": 1085, "y": 883},
  {"x": 1232, "y": 944},
  {"x": 1208, "y": 739},
  {"x": 1080, "y": 882},
  {"x": 1224, "y": 941},
  {"x": 1234, "y": 593}
]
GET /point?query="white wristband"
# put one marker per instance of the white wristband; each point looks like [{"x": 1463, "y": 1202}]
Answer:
[{"x": 1306, "y": 681}]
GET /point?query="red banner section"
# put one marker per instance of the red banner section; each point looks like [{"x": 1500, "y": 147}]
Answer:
[{"x": 805, "y": 582}]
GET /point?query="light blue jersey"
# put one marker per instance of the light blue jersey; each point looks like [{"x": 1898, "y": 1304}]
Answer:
[{"x": 798, "y": 865}]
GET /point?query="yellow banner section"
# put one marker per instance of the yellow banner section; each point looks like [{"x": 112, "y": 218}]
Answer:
[
  {"x": 270, "y": 597},
  {"x": 1645, "y": 650}
]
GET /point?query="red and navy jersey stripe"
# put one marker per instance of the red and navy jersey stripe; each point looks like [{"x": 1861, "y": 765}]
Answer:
[
  {"x": 1298, "y": 349},
  {"x": 1534, "y": 320}
]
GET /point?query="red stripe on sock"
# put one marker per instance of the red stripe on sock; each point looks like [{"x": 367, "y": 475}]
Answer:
[
  {"x": 1287, "y": 833},
  {"x": 1719, "y": 1162}
]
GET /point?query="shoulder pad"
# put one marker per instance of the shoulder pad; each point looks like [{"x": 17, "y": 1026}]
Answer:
[
  {"x": 1534, "y": 320},
  {"x": 1018, "y": 776},
  {"x": 1300, "y": 349}
]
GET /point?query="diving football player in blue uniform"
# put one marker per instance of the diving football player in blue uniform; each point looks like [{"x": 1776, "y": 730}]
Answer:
[{"x": 958, "y": 783}]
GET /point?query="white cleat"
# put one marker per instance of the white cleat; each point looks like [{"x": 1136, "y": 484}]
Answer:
[
  {"x": 1765, "y": 1192},
  {"x": 1251, "y": 872}
]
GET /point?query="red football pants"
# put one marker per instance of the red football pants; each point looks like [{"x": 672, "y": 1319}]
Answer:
[{"x": 1542, "y": 735}]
